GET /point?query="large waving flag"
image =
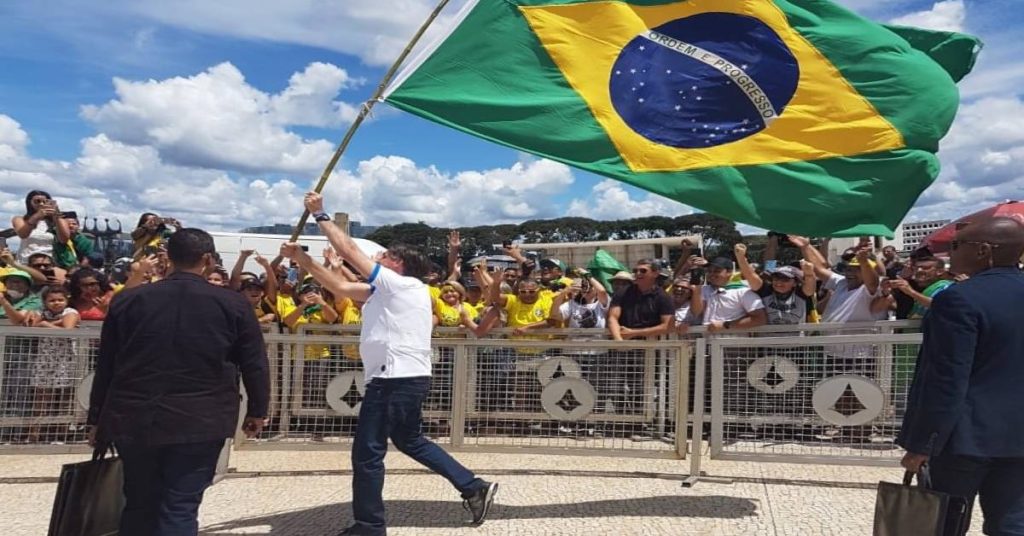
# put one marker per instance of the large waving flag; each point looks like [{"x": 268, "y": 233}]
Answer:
[{"x": 793, "y": 115}]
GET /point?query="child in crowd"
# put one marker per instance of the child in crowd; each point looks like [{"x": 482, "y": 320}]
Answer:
[{"x": 53, "y": 372}]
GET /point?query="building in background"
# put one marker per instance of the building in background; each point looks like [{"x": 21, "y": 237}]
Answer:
[
  {"x": 353, "y": 228},
  {"x": 913, "y": 233}
]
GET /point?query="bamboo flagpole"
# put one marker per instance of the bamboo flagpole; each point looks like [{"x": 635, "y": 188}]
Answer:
[{"x": 364, "y": 111}]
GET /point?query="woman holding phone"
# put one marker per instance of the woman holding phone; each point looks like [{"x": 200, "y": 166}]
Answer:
[{"x": 39, "y": 225}]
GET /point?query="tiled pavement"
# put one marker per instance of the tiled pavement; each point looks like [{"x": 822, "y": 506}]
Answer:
[{"x": 307, "y": 493}]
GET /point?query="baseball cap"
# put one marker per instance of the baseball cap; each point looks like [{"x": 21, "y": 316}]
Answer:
[
  {"x": 552, "y": 263},
  {"x": 622, "y": 275},
  {"x": 855, "y": 263},
  {"x": 790, "y": 272},
  {"x": 17, "y": 273}
]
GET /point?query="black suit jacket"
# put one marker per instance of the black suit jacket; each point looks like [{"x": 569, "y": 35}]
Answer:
[
  {"x": 170, "y": 357},
  {"x": 968, "y": 387}
]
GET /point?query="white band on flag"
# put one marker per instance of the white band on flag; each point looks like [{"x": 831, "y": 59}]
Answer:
[{"x": 738, "y": 76}]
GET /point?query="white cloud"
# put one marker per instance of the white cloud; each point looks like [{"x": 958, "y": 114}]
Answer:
[
  {"x": 394, "y": 189},
  {"x": 12, "y": 138},
  {"x": 115, "y": 180},
  {"x": 610, "y": 200},
  {"x": 373, "y": 30},
  {"x": 216, "y": 119},
  {"x": 948, "y": 15}
]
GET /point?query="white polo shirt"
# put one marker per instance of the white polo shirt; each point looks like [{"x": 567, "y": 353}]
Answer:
[
  {"x": 847, "y": 305},
  {"x": 721, "y": 304},
  {"x": 394, "y": 341}
]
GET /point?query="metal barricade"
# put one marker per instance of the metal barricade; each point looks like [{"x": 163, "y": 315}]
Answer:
[
  {"x": 549, "y": 395},
  {"x": 827, "y": 399},
  {"x": 45, "y": 381}
]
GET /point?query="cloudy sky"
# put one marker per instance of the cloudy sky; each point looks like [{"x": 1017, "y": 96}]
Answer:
[{"x": 222, "y": 113}]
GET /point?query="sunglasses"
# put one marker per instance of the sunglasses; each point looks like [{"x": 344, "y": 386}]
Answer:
[
  {"x": 41, "y": 265},
  {"x": 955, "y": 244},
  {"x": 640, "y": 270}
]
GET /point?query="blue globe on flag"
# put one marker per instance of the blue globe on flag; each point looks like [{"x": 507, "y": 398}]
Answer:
[{"x": 704, "y": 80}]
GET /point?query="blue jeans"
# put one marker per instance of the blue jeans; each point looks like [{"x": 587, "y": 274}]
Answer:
[
  {"x": 164, "y": 485},
  {"x": 998, "y": 481},
  {"x": 392, "y": 409}
]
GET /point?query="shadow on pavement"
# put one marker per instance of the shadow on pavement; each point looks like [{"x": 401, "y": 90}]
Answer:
[{"x": 439, "y": 514}]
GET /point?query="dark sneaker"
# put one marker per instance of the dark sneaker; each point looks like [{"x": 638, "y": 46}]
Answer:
[{"x": 480, "y": 503}]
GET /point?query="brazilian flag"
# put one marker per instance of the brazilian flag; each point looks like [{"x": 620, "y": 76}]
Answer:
[{"x": 793, "y": 115}]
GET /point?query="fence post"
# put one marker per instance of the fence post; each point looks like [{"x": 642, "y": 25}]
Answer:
[
  {"x": 697, "y": 427},
  {"x": 459, "y": 394},
  {"x": 682, "y": 397}
]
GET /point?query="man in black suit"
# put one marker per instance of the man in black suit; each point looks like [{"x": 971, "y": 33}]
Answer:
[
  {"x": 166, "y": 386},
  {"x": 964, "y": 416}
]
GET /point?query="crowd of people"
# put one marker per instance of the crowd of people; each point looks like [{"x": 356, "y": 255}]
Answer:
[{"x": 55, "y": 279}]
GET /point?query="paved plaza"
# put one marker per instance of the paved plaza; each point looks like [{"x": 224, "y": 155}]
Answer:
[{"x": 307, "y": 493}]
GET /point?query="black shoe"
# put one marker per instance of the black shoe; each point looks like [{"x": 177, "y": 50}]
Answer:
[
  {"x": 480, "y": 503},
  {"x": 356, "y": 530}
]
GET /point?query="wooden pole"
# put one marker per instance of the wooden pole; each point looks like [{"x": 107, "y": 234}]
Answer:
[{"x": 364, "y": 111}]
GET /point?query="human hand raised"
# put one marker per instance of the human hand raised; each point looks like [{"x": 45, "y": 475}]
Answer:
[{"x": 314, "y": 202}]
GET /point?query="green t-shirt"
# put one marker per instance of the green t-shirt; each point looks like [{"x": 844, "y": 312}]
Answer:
[
  {"x": 65, "y": 257},
  {"x": 32, "y": 302},
  {"x": 933, "y": 290}
]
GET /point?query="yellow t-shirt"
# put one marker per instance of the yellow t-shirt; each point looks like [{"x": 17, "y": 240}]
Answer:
[
  {"x": 522, "y": 314},
  {"x": 350, "y": 315},
  {"x": 450, "y": 315},
  {"x": 313, "y": 351},
  {"x": 435, "y": 292}
]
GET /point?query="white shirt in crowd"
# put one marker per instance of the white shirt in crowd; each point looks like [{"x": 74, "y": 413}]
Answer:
[
  {"x": 721, "y": 304},
  {"x": 584, "y": 315},
  {"x": 847, "y": 305},
  {"x": 38, "y": 241},
  {"x": 394, "y": 341}
]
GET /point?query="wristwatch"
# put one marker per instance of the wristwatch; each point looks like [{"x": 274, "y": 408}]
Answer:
[
  {"x": 727, "y": 324},
  {"x": 321, "y": 216}
]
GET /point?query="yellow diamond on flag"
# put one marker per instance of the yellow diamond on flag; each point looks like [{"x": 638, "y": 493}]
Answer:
[{"x": 706, "y": 83}]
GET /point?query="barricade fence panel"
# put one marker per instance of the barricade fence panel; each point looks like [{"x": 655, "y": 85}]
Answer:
[
  {"x": 558, "y": 391},
  {"x": 810, "y": 399}
]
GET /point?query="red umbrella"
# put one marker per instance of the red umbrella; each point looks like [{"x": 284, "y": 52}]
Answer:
[{"x": 938, "y": 242}]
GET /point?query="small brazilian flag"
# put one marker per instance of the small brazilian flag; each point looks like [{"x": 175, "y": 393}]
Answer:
[{"x": 792, "y": 115}]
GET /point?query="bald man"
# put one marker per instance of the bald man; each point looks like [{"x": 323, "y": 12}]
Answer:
[{"x": 964, "y": 416}]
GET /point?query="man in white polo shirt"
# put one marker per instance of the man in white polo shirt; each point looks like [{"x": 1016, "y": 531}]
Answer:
[
  {"x": 395, "y": 350},
  {"x": 726, "y": 308}
]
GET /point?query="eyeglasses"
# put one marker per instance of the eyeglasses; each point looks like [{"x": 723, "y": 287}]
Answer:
[
  {"x": 640, "y": 270},
  {"x": 41, "y": 265},
  {"x": 955, "y": 244}
]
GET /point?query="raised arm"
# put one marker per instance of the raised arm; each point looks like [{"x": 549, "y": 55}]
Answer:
[
  {"x": 812, "y": 255},
  {"x": 810, "y": 286},
  {"x": 337, "y": 285},
  {"x": 746, "y": 270},
  {"x": 454, "y": 250},
  {"x": 270, "y": 288},
  {"x": 341, "y": 242},
  {"x": 8, "y": 258},
  {"x": 868, "y": 272},
  {"x": 236, "y": 271}
]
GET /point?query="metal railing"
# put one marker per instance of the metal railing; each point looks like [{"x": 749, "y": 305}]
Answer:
[{"x": 750, "y": 394}]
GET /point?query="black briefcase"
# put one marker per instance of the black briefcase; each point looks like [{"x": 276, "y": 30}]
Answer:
[
  {"x": 902, "y": 509},
  {"x": 90, "y": 497}
]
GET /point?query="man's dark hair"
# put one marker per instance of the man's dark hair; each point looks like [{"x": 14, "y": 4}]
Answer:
[
  {"x": 414, "y": 263},
  {"x": 186, "y": 247},
  {"x": 648, "y": 262},
  {"x": 940, "y": 263}
]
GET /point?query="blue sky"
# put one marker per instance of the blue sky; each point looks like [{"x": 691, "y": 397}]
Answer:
[{"x": 222, "y": 113}]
